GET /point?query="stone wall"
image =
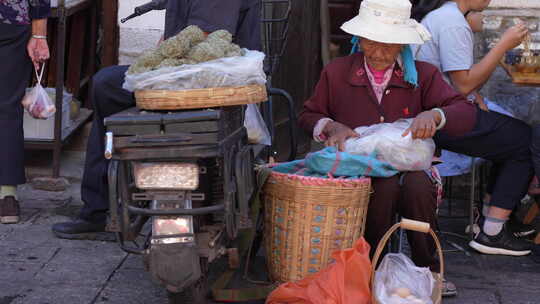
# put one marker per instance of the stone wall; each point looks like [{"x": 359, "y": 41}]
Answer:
[
  {"x": 139, "y": 34},
  {"x": 499, "y": 17}
]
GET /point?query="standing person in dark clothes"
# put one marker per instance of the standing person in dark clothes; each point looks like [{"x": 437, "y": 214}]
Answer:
[
  {"x": 23, "y": 42},
  {"x": 239, "y": 17}
]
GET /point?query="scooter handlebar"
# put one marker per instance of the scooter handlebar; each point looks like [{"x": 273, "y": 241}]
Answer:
[{"x": 145, "y": 8}]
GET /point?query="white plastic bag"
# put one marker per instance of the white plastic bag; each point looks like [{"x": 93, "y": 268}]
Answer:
[
  {"x": 223, "y": 72},
  {"x": 256, "y": 127},
  {"x": 399, "y": 281},
  {"x": 37, "y": 102},
  {"x": 387, "y": 142}
]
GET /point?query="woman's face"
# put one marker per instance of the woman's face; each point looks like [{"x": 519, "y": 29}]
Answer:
[
  {"x": 380, "y": 56},
  {"x": 475, "y": 20}
]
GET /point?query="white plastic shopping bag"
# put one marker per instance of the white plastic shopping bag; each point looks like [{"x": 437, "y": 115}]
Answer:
[
  {"x": 256, "y": 127},
  {"x": 387, "y": 142},
  {"x": 399, "y": 281},
  {"x": 37, "y": 102}
]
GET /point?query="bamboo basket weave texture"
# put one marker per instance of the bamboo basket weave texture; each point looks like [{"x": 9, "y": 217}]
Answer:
[
  {"x": 200, "y": 98},
  {"x": 307, "y": 218}
]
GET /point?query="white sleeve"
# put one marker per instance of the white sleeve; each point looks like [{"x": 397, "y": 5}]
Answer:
[
  {"x": 318, "y": 135},
  {"x": 443, "y": 118}
]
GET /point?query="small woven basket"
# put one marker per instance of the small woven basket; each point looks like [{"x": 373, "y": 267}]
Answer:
[
  {"x": 200, "y": 98},
  {"x": 407, "y": 224},
  {"x": 307, "y": 218}
]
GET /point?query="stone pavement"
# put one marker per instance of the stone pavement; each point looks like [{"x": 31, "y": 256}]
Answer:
[
  {"x": 37, "y": 268},
  {"x": 488, "y": 279}
]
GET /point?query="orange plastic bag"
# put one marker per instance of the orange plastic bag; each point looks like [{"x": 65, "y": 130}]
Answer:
[{"x": 344, "y": 282}]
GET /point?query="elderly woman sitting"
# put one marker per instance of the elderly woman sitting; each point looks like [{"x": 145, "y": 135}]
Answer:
[{"x": 383, "y": 83}]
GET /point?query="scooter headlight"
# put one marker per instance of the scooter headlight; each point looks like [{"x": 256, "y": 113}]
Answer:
[
  {"x": 172, "y": 230},
  {"x": 173, "y": 226},
  {"x": 166, "y": 176}
]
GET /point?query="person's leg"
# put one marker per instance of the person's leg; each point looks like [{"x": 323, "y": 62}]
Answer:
[
  {"x": 506, "y": 141},
  {"x": 382, "y": 209},
  {"x": 418, "y": 201},
  {"x": 108, "y": 98},
  {"x": 535, "y": 149},
  {"x": 14, "y": 78},
  {"x": 490, "y": 186}
]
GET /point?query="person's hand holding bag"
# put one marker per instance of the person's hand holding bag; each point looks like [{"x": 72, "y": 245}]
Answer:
[
  {"x": 337, "y": 134},
  {"x": 38, "y": 50},
  {"x": 37, "y": 47},
  {"x": 424, "y": 125}
]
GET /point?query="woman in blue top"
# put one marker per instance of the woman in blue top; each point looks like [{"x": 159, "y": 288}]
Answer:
[
  {"x": 451, "y": 50},
  {"x": 23, "y": 41}
]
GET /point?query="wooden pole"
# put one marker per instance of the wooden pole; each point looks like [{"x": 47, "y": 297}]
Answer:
[
  {"x": 111, "y": 33},
  {"x": 299, "y": 68}
]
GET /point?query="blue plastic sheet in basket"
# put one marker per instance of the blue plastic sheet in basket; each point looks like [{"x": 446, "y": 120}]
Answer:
[{"x": 329, "y": 162}]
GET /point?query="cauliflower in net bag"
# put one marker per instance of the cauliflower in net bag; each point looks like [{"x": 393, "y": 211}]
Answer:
[
  {"x": 146, "y": 62},
  {"x": 190, "y": 46},
  {"x": 180, "y": 45},
  {"x": 387, "y": 142},
  {"x": 221, "y": 34}
]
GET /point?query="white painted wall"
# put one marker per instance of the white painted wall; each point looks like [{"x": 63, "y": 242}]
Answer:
[
  {"x": 515, "y": 3},
  {"x": 139, "y": 34}
]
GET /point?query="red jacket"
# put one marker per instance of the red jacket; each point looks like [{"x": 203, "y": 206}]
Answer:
[{"x": 344, "y": 94}]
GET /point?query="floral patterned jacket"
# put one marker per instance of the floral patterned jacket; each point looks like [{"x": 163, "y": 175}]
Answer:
[{"x": 23, "y": 11}]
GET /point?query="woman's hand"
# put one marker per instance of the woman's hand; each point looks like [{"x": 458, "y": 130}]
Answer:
[
  {"x": 514, "y": 36},
  {"x": 38, "y": 50},
  {"x": 337, "y": 134},
  {"x": 424, "y": 125}
]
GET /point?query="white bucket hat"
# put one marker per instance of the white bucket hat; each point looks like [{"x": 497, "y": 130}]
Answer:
[{"x": 387, "y": 21}]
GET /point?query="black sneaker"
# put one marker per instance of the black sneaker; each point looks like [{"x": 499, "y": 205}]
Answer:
[
  {"x": 504, "y": 243},
  {"x": 515, "y": 226},
  {"x": 519, "y": 229},
  {"x": 81, "y": 229}
]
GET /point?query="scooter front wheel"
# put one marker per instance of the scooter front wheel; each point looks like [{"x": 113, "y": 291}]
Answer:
[{"x": 196, "y": 294}]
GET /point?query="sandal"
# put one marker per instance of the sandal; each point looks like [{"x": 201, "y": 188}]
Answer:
[{"x": 448, "y": 288}]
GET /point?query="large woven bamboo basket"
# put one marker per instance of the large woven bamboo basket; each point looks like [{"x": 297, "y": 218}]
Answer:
[
  {"x": 406, "y": 224},
  {"x": 200, "y": 98},
  {"x": 308, "y": 218}
]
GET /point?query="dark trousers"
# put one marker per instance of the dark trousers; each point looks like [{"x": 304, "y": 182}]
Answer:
[
  {"x": 108, "y": 98},
  {"x": 506, "y": 142},
  {"x": 535, "y": 149},
  {"x": 15, "y": 72},
  {"x": 412, "y": 196}
]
